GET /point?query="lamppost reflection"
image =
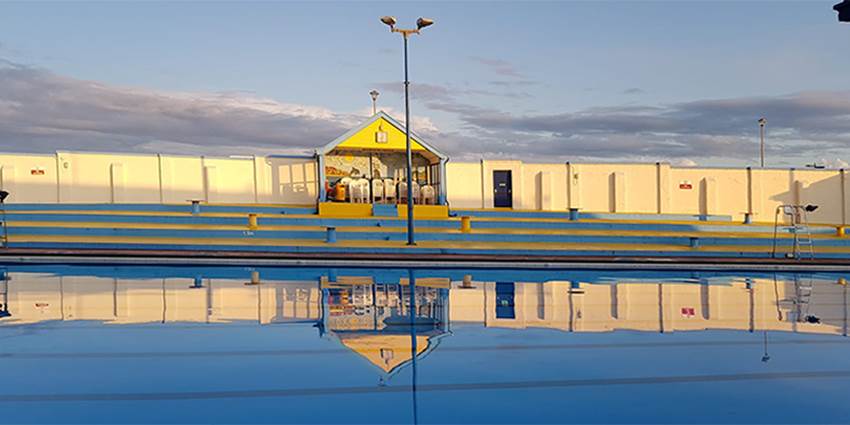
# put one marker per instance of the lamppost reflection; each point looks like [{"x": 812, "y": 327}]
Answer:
[{"x": 4, "y": 307}]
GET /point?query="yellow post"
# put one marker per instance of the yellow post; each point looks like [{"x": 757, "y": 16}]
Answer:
[
  {"x": 465, "y": 224},
  {"x": 252, "y": 222},
  {"x": 839, "y": 231}
]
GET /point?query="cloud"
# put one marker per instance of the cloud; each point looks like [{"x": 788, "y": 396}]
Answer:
[
  {"x": 42, "y": 111},
  {"x": 513, "y": 83},
  {"x": 799, "y": 124},
  {"x": 499, "y": 66},
  {"x": 428, "y": 92},
  {"x": 633, "y": 90}
]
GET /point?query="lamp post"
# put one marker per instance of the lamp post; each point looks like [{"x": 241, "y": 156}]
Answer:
[
  {"x": 762, "y": 123},
  {"x": 374, "y": 94},
  {"x": 405, "y": 33}
]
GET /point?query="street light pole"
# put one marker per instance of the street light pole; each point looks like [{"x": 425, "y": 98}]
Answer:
[
  {"x": 762, "y": 122},
  {"x": 420, "y": 23},
  {"x": 408, "y": 150}
]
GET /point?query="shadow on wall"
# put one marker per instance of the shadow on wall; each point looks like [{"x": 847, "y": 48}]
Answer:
[
  {"x": 802, "y": 187},
  {"x": 293, "y": 180}
]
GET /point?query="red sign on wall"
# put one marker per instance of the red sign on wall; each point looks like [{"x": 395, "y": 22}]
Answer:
[
  {"x": 684, "y": 184},
  {"x": 37, "y": 172}
]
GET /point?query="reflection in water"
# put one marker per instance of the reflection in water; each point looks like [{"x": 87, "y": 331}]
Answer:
[
  {"x": 378, "y": 316},
  {"x": 381, "y": 321},
  {"x": 538, "y": 345}
]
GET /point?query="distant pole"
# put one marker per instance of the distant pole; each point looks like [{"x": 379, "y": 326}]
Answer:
[
  {"x": 762, "y": 122},
  {"x": 374, "y": 94}
]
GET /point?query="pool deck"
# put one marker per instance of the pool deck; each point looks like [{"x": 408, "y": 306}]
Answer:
[{"x": 298, "y": 235}]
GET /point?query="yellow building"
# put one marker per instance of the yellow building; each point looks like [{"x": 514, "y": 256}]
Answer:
[{"x": 375, "y": 152}]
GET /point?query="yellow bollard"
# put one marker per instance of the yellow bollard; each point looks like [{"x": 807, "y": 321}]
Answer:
[
  {"x": 465, "y": 224},
  {"x": 839, "y": 231},
  {"x": 252, "y": 222}
]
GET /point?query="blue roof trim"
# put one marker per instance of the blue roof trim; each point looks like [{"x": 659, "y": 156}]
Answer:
[{"x": 381, "y": 114}]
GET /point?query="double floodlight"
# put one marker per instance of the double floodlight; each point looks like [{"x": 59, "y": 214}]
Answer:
[{"x": 420, "y": 23}]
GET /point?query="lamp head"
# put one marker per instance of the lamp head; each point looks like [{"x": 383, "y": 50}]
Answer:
[
  {"x": 374, "y": 94},
  {"x": 810, "y": 208},
  {"x": 762, "y": 121},
  {"x": 423, "y": 22},
  {"x": 388, "y": 20}
]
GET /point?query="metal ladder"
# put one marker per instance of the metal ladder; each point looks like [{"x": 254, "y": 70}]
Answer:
[
  {"x": 799, "y": 227},
  {"x": 802, "y": 297}
]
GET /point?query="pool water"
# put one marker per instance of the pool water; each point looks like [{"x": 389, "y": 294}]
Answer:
[{"x": 84, "y": 344}]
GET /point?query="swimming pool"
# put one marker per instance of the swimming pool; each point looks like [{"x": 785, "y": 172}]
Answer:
[{"x": 345, "y": 345}]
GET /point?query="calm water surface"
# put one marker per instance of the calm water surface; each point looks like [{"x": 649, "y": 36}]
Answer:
[{"x": 272, "y": 345}]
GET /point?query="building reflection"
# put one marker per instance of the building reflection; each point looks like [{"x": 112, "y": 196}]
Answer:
[
  {"x": 371, "y": 315},
  {"x": 375, "y": 320}
]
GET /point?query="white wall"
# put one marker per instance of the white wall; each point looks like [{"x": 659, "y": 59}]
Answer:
[
  {"x": 653, "y": 188},
  {"x": 76, "y": 177}
]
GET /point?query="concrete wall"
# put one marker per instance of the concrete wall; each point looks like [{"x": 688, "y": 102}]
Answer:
[
  {"x": 76, "y": 177},
  {"x": 622, "y": 188},
  {"x": 36, "y": 297},
  {"x": 656, "y": 307},
  {"x": 653, "y": 189}
]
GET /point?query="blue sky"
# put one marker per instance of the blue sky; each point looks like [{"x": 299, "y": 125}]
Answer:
[{"x": 682, "y": 81}]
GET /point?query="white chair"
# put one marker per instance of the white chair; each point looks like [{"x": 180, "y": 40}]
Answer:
[
  {"x": 415, "y": 192},
  {"x": 363, "y": 194},
  {"x": 427, "y": 195},
  {"x": 353, "y": 192},
  {"x": 377, "y": 191},
  {"x": 389, "y": 191},
  {"x": 402, "y": 192}
]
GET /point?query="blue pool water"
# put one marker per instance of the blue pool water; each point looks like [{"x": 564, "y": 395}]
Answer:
[{"x": 84, "y": 344}]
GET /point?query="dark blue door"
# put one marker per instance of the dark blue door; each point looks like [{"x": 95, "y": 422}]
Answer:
[
  {"x": 505, "y": 300},
  {"x": 502, "y": 189}
]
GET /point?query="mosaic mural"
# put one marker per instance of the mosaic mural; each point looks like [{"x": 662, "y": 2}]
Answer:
[{"x": 392, "y": 165}]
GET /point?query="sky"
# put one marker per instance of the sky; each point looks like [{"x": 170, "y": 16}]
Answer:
[{"x": 679, "y": 81}]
